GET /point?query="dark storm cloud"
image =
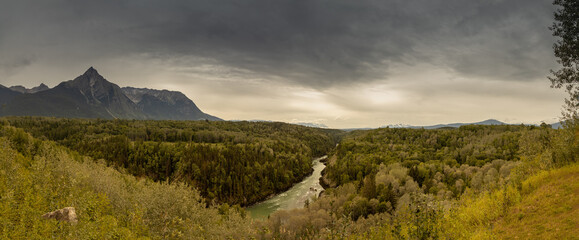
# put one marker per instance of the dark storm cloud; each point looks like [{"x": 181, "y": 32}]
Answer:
[{"x": 315, "y": 43}]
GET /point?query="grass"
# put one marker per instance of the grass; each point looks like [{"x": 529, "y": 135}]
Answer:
[{"x": 549, "y": 208}]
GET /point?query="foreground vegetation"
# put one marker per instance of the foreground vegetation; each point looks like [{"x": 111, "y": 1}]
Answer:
[
  {"x": 549, "y": 207},
  {"x": 471, "y": 182},
  {"x": 38, "y": 176}
]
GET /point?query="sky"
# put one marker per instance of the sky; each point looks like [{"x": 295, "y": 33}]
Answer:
[{"x": 342, "y": 63}]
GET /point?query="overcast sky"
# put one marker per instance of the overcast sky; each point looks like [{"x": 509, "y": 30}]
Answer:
[{"x": 342, "y": 63}]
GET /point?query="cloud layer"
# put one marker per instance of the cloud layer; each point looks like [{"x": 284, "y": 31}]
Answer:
[{"x": 325, "y": 46}]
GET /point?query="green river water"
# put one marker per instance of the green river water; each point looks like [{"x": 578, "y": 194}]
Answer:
[{"x": 295, "y": 197}]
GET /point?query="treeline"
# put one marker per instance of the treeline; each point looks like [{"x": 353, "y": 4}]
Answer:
[
  {"x": 229, "y": 162},
  {"x": 361, "y": 153}
]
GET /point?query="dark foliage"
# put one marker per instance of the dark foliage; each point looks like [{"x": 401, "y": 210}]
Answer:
[{"x": 233, "y": 162}]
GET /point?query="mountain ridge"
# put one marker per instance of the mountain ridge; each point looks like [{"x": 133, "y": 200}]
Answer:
[
  {"x": 556, "y": 125},
  {"x": 22, "y": 89},
  {"x": 6, "y": 95},
  {"x": 90, "y": 95},
  {"x": 448, "y": 125},
  {"x": 161, "y": 103}
]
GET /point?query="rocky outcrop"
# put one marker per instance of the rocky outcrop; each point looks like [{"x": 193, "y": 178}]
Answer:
[
  {"x": 324, "y": 180},
  {"x": 67, "y": 214},
  {"x": 327, "y": 183}
]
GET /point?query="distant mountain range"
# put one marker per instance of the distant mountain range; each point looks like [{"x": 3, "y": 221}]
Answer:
[
  {"x": 22, "y": 89},
  {"x": 457, "y": 125},
  {"x": 90, "y": 95},
  {"x": 313, "y": 125}
]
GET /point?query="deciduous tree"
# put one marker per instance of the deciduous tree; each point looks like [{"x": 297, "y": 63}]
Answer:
[{"x": 566, "y": 48}]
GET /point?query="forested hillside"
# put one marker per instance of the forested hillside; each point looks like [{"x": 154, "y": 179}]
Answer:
[
  {"x": 427, "y": 184},
  {"x": 230, "y": 162},
  {"x": 38, "y": 176},
  {"x": 361, "y": 153},
  {"x": 388, "y": 183}
]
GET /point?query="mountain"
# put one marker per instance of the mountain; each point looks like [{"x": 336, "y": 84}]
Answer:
[
  {"x": 6, "y": 95},
  {"x": 449, "y": 125},
  {"x": 22, "y": 89},
  {"x": 313, "y": 125},
  {"x": 457, "y": 125},
  {"x": 90, "y": 95},
  {"x": 164, "y": 104},
  {"x": 556, "y": 125}
]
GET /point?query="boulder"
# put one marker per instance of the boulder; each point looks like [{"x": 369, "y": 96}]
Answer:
[{"x": 67, "y": 214}]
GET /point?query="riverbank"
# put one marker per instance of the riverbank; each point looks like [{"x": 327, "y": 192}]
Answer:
[
  {"x": 324, "y": 181},
  {"x": 295, "y": 197}
]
